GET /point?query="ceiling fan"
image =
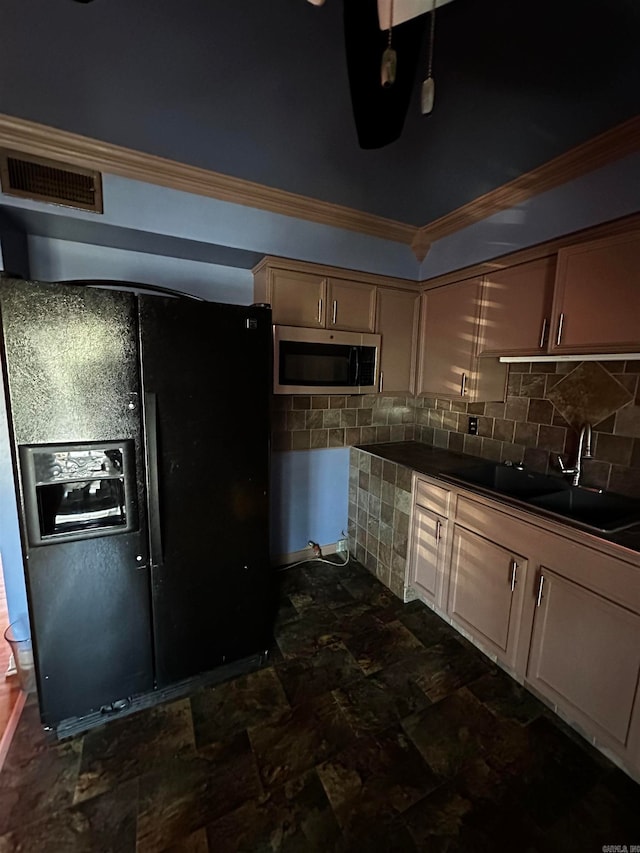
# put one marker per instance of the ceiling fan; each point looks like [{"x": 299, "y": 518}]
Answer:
[
  {"x": 377, "y": 32},
  {"x": 403, "y": 10}
]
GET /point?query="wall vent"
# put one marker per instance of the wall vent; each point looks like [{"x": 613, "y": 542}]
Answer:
[{"x": 49, "y": 180}]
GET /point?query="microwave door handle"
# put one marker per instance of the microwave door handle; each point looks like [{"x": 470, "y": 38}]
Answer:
[{"x": 355, "y": 376}]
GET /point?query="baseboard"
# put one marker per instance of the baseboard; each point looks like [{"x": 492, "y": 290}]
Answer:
[
  {"x": 12, "y": 725},
  {"x": 304, "y": 554}
]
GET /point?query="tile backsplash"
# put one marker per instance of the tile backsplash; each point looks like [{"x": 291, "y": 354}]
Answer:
[{"x": 546, "y": 404}]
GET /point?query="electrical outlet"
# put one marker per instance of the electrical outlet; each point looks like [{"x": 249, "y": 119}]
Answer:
[
  {"x": 473, "y": 426},
  {"x": 342, "y": 546}
]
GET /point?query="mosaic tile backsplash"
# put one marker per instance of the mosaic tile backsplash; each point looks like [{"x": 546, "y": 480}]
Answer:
[{"x": 545, "y": 406}]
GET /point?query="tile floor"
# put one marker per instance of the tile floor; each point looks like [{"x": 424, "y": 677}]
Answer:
[{"x": 374, "y": 728}]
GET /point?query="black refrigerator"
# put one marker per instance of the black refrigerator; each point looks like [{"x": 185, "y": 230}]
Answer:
[{"x": 140, "y": 431}]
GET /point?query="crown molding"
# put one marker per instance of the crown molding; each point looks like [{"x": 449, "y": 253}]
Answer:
[
  {"x": 42, "y": 141},
  {"x": 611, "y": 145},
  {"x": 533, "y": 253}
]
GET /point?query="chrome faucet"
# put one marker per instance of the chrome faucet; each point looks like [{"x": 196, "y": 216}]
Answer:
[{"x": 584, "y": 452}]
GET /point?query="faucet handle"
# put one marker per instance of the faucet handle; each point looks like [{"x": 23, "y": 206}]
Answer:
[{"x": 561, "y": 465}]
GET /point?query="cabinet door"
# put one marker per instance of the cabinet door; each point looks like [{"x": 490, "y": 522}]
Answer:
[
  {"x": 428, "y": 546},
  {"x": 397, "y": 323},
  {"x": 516, "y": 309},
  {"x": 585, "y": 657},
  {"x": 597, "y": 297},
  {"x": 351, "y": 306},
  {"x": 298, "y": 299},
  {"x": 448, "y": 325},
  {"x": 486, "y": 592},
  {"x": 448, "y": 366}
]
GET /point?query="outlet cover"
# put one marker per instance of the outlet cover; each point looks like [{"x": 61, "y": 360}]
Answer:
[{"x": 473, "y": 426}]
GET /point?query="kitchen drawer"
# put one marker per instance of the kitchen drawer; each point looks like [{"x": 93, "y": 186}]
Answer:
[{"x": 431, "y": 497}]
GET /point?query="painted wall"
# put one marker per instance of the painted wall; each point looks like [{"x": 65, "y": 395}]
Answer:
[
  {"x": 63, "y": 260},
  {"x": 310, "y": 493},
  {"x": 10, "y": 547},
  {"x": 259, "y": 89},
  {"x": 144, "y": 207},
  {"x": 602, "y": 195}
]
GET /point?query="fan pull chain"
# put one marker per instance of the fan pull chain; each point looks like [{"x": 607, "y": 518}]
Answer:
[
  {"x": 389, "y": 57},
  {"x": 428, "y": 85}
]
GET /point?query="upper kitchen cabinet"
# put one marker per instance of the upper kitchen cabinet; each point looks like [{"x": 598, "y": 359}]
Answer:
[
  {"x": 515, "y": 314},
  {"x": 397, "y": 323},
  {"x": 597, "y": 297},
  {"x": 351, "y": 305},
  {"x": 297, "y": 298},
  {"x": 449, "y": 332},
  {"x": 309, "y": 295}
]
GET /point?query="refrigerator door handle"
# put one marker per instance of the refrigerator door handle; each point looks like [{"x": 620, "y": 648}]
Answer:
[{"x": 153, "y": 486}]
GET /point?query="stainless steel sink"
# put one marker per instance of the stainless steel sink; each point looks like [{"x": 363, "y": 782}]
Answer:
[
  {"x": 604, "y": 511},
  {"x": 509, "y": 480}
]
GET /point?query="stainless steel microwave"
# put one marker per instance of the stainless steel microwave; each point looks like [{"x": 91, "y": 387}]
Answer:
[{"x": 323, "y": 361}]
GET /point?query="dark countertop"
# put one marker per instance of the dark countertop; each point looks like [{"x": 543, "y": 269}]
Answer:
[{"x": 436, "y": 462}]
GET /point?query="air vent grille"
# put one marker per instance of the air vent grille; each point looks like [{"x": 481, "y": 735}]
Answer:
[{"x": 48, "y": 180}]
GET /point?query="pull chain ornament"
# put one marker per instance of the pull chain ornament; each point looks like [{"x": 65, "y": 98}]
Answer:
[
  {"x": 389, "y": 57},
  {"x": 428, "y": 85}
]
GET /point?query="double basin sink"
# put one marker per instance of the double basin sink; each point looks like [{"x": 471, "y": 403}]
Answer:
[{"x": 605, "y": 512}]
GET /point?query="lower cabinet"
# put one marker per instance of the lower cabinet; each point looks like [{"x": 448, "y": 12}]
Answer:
[
  {"x": 559, "y": 615},
  {"x": 428, "y": 549},
  {"x": 585, "y": 658},
  {"x": 428, "y": 541},
  {"x": 486, "y": 588}
]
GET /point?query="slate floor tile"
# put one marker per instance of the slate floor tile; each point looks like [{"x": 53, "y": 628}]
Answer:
[
  {"x": 381, "y": 646},
  {"x": 375, "y": 780},
  {"x": 227, "y": 709},
  {"x": 330, "y": 667},
  {"x": 424, "y": 624},
  {"x": 505, "y": 698},
  {"x": 305, "y": 636},
  {"x": 106, "y": 823},
  {"x": 448, "y": 665},
  {"x": 374, "y": 729},
  {"x": 368, "y": 705},
  {"x": 297, "y": 816},
  {"x": 124, "y": 749},
  {"x": 39, "y": 776},
  {"x": 299, "y": 739},
  {"x": 450, "y": 734},
  {"x": 197, "y": 842},
  {"x": 186, "y": 793}
]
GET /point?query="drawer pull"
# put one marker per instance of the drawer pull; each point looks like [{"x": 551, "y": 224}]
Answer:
[
  {"x": 335, "y": 312},
  {"x": 560, "y": 325},
  {"x": 540, "y": 585},
  {"x": 543, "y": 334},
  {"x": 320, "y": 310},
  {"x": 463, "y": 385},
  {"x": 514, "y": 572},
  {"x": 438, "y": 531}
]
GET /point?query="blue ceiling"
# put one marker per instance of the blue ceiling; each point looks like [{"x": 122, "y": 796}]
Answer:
[{"x": 258, "y": 89}]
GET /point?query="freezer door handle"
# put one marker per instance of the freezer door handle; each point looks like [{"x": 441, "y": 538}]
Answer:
[{"x": 153, "y": 485}]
